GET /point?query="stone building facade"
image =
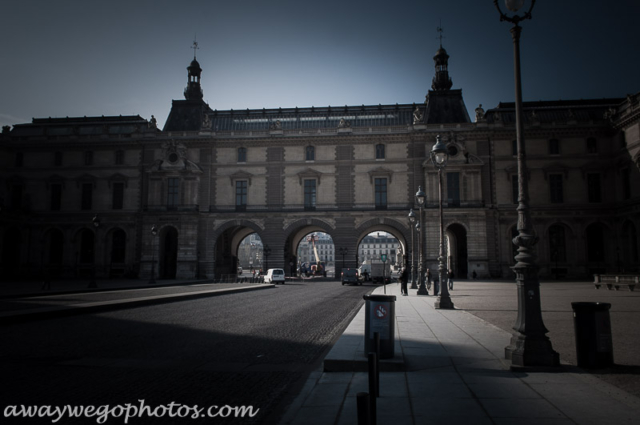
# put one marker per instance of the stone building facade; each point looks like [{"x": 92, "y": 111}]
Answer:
[{"x": 81, "y": 195}]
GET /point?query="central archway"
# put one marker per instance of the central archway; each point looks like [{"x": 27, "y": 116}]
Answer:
[{"x": 457, "y": 259}]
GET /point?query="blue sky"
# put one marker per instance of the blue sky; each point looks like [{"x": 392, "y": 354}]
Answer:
[{"x": 75, "y": 58}]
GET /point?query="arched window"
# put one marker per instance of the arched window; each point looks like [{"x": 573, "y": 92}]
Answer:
[{"x": 595, "y": 243}]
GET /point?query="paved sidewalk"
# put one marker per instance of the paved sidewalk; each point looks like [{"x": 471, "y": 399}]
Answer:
[{"x": 455, "y": 373}]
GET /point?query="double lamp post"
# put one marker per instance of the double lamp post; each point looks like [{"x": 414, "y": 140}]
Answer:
[{"x": 439, "y": 157}]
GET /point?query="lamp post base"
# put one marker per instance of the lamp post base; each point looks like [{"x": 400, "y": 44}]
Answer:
[
  {"x": 527, "y": 351},
  {"x": 444, "y": 303},
  {"x": 414, "y": 285},
  {"x": 530, "y": 345},
  {"x": 423, "y": 289}
]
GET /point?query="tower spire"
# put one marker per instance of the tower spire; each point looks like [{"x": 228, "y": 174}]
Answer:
[
  {"x": 441, "y": 81},
  {"x": 193, "y": 91}
]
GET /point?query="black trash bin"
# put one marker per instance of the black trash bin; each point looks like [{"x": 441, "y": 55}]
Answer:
[
  {"x": 380, "y": 316},
  {"x": 594, "y": 344}
]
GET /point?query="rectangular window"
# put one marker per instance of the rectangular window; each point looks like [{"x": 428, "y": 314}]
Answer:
[
  {"x": 380, "y": 151},
  {"x": 593, "y": 188},
  {"x": 57, "y": 159},
  {"x": 453, "y": 189},
  {"x": 242, "y": 154},
  {"x": 87, "y": 196},
  {"x": 554, "y": 147},
  {"x": 56, "y": 197},
  {"x": 514, "y": 148},
  {"x": 310, "y": 153},
  {"x": 514, "y": 189},
  {"x": 173, "y": 186},
  {"x": 88, "y": 158},
  {"x": 241, "y": 195},
  {"x": 19, "y": 159},
  {"x": 555, "y": 188},
  {"x": 381, "y": 193},
  {"x": 119, "y": 157},
  {"x": 309, "y": 194},
  {"x": 626, "y": 184},
  {"x": 118, "y": 196},
  {"x": 592, "y": 145}
]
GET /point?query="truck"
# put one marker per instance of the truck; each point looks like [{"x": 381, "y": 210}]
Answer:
[{"x": 381, "y": 272}]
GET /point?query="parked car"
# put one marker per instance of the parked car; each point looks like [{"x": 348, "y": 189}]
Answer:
[
  {"x": 350, "y": 276},
  {"x": 274, "y": 276}
]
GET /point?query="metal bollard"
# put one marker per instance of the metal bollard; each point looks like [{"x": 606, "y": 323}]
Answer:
[
  {"x": 363, "y": 408},
  {"x": 372, "y": 388}
]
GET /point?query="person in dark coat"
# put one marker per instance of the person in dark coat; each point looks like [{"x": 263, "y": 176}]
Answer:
[
  {"x": 450, "y": 276},
  {"x": 404, "y": 279}
]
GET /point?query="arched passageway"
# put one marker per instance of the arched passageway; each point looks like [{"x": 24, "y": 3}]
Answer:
[{"x": 457, "y": 259}]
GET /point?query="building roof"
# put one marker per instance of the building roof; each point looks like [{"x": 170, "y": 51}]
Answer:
[
  {"x": 81, "y": 126},
  {"x": 554, "y": 110}
]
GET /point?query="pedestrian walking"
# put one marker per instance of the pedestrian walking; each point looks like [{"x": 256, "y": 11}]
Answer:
[
  {"x": 450, "y": 276},
  {"x": 428, "y": 277},
  {"x": 404, "y": 279}
]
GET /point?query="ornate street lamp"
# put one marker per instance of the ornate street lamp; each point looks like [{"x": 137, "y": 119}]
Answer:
[
  {"x": 154, "y": 232},
  {"x": 421, "y": 199},
  {"x": 530, "y": 345},
  {"x": 439, "y": 158},
  {"x": 92, "y": 283},
  {"x": 412, "y": 220}
]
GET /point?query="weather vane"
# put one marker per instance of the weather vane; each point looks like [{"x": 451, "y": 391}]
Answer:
[
  {"x": 194, "y": 47},
  {"x": 440, "y": 30}
]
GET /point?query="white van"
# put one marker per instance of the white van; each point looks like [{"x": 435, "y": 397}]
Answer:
[{"x": 274, "y": 276}]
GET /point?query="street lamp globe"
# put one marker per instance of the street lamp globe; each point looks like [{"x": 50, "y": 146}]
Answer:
[
  {"x": 439, "y": 153},
  {"x": 514, "y": 5},
  {"x": 420, "y": 197},
  {"x": 412, "y": 216}
]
